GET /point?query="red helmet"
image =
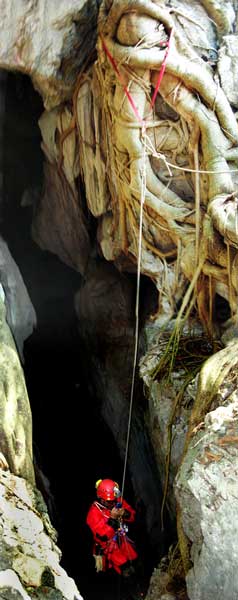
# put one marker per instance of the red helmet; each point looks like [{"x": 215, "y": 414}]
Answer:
[{"x": 107, "y": 489}]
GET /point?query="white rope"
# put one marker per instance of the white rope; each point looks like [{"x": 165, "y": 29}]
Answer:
[
  {"x": 142, "y": 200},
  {"x": 152, "y": 152}
]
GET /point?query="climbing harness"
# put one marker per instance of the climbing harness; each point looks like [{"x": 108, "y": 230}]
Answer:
[{"x": 104, "y": 554}]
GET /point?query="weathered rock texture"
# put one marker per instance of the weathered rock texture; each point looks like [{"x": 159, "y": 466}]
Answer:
[
  {"x": 29, "y": 557},
  {"x": 15, "y": 413},
  {"x": 60, "y": 225},
  {"x": 189, "y": 219},
  {"x": 206, "y": 484},
  {"x": 170, "y": 397},
  {"x": 104, "y": 306},
  {"x": 20, "y": 314},
  {"x": 228, "y": 67},
  {"x": 182, "y": 163},
  {"x": 3, "y": 77},
  {"x": 49, "y": 40}
]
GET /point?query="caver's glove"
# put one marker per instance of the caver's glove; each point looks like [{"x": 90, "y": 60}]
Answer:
[{"x": 117, "y": 513}]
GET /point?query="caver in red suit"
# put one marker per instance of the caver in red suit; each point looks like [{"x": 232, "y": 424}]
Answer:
[{"x": 107, "y": 518}]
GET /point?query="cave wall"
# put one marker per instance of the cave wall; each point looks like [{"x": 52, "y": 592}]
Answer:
[
  {"x": 105, "y": 312},
  {"x": 98, "y": 219},
  {"x": 50, "y": 42},
  {"x": 52, "y": 337}
]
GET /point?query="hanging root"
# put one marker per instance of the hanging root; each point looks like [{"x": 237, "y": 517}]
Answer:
[
  {"x": 190, "y": 206},
  {"x": 184, "y": 544},
  {"x": 190, "y": 134},
  {"x": 220, "y": 13}
]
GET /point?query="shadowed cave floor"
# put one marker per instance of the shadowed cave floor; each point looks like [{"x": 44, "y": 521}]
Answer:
[{"x": 108, "y": 586}]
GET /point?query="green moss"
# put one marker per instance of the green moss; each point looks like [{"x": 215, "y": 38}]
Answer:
[
  {"x": 47, "y": 578},
  {"x": 44, "y": 592}
]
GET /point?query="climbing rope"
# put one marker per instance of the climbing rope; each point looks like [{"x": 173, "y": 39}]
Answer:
[{"x": 142, "y": 200}]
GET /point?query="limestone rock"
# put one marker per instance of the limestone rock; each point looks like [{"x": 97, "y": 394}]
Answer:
[
  {"x": 21, "y": 316},
  {"x": 29, "y": 559},
  {"x": 11, "y": 587},
  {"x": 166, "y": 582},
  {"x": 162, "y": 398},
  {"x": 168, "y": 412},
  {"x": 104, "y": 302},
  {"x": 49, "y": 40},
  {"x": 104, "y": 307},
  {"x": 15, "y": 413},
  {"x": 228, "y": 67},
  {"x": 93, "y": 155},
  {"x": 222, "y": 13},
  {"x": 191, "y": 20},
  {"x": 59, "y": 224},
  {"x": 207, "y": 491},
  {"x": 3, "y": 77}
]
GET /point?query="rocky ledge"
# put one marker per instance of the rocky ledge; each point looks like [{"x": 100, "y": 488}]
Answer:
[{"x": 29, "y": 557}]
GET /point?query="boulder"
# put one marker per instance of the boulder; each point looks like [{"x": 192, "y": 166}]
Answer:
[{"x": 29, "y": 558}]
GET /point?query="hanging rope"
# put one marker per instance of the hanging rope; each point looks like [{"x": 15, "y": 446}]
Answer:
[{"x": 142, "y": 200}]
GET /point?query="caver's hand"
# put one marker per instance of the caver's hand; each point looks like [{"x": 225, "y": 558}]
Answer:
[{"x": 117, "y": 513}]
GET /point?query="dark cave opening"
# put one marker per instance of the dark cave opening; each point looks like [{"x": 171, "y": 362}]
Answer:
[
  {"x": 73, "y": 445},
  {"x": 76, "y": 448}
]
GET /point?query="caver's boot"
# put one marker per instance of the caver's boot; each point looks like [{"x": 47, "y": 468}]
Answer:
[
  {"x": 131, "y": 587},
  {"x": 128, "y": 570}
]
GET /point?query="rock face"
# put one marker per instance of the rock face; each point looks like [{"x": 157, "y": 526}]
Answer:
[
  {"x": 59, "y": 224},
  {"x": 49, "y": 40},
  {"x": 169, "y": 410},
  {"x": 20, "y": 314},
  {"x": 15, "y": 413},
  {"x": 228, "y": 67},
  {"x": 189, "y": 251},
  {"x": 2, "y": 114},
  {"x": 99, "y": 137},
  {"x": 206, "y": 487},
  {"x": 29, "y": 558},
  {"x": 104, "y": 307}
]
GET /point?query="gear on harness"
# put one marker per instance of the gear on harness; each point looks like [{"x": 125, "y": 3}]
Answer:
[{"x": 98, "y": 562}]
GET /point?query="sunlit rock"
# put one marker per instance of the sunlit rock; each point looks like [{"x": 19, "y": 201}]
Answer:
[
  {"x": 20, "y": 313},
  {"x": 48, "y": 40},
  {"x": 15, "y": 413},
  {"x": 29, "y": 560},
  {"x": 228, "y": 67},
  {"x": 206, "y": 485}
]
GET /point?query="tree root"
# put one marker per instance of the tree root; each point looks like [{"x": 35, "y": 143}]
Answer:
[{"x": 203, "y": 138}]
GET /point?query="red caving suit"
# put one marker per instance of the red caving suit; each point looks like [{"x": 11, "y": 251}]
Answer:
[{"x": 113, "y": 542}]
